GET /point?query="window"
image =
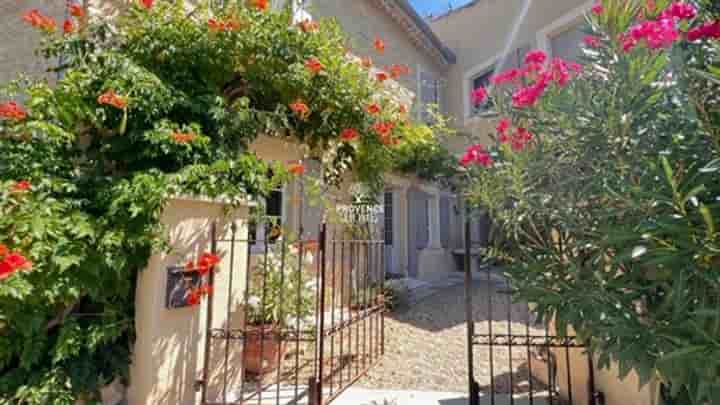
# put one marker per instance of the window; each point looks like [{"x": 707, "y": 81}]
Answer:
[
  {"x": 389, "y": 218},
  {"x": 272, "y": 220},
  {"x": 515, "y": 59},
  {"x": 481, "y": 80},
  {"x": 429, "y": 95},
  {"x": 567, "y": 44}
]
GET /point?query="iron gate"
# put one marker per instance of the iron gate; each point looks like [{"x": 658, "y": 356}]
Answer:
[
  {"x": 292, "y": 321},
  {"x": 511, "y": 357}
]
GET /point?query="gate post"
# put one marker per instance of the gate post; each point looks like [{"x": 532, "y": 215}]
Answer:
[
  {"x": 473, "y": 387},
  {"x": 316, "y": 386}
]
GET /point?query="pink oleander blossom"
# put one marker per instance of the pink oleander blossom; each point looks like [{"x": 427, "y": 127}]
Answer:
[
  {"x": 592, "y": 41},
  {"x": 506, "y": 77},
  {"x": 709, "y": 30},
  {"x": 503, "y": 125},
  {"x": 680, "y": 10},
  {"x": 479, "y": 95},
  {"x": 657, "y": 34},
  {"x": 537, "y": 56},
  {"x": 597, "y": 9},
  {"x": 476, "y": 154}
]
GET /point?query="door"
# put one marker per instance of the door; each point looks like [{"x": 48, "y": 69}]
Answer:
[{"x": 389, "y": 234}]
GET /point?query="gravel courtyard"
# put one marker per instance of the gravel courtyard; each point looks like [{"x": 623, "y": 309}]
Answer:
[{"x": 425, "y": 345}]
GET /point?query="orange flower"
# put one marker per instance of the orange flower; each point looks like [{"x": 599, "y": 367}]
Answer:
[
  {"x": 379, "y": 45},
  {"x": 37, "y": 20},
  {"x": 194, "y": 297},
  {"x": 403, "y": 109},
  {"x": 384, "y": 128},
  {"x": 381, "y": 76},
  {"x": 296, "y": 168},
  {"x": 11, "y": 110},
  {"x": 76, "y": 10},
  {"x": 110, "y": 98},
  {"x": 261, "y": 4},
  {"x": 180, "y": 137},
  {"x": 13, "y": 262},
  {"x": 373, "y": 108},
  {"x": 68, "y": 27},
  {"x": 398, "y": 70},
  {"x": 301, "y": 109},
  {"x": 229, "y": 25},
  {"x": 308, "y": 26},
  {"x": 314, "y": 65},
  {"x": 349, "y": 134},
  {"x": 3, "y": 250},
  {"x": 21, "y": 186}
]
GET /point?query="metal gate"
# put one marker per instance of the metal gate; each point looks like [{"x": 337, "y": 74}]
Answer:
[
  {"x": 292, "y": 321},
  {"x": 511, "y": 357}
]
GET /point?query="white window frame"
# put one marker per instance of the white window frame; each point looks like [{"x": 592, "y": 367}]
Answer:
[
  {"x": 469, "y": 77},
  {"x": 560, "y": 25}
]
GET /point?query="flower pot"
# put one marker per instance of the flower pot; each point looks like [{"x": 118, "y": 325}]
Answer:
[{"x": 264, "y": 347}]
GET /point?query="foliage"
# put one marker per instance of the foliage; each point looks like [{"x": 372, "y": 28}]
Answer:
[
  {"x": 603, "y": 189},
  {"x": 282, "y": 291},
  {"x": 424, "y": 152},
  {"x": 161, "y": 101}
]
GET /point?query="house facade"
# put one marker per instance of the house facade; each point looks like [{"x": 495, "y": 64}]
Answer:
[{"x": 478, "y": 33}]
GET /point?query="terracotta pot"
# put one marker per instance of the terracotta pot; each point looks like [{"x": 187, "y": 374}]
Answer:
[{"x": 264, "y": 346}]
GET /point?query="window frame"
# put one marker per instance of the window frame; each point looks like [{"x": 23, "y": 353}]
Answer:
[
  {"x": 561, "y": 25},
  {"x": 257, "y": 241}
]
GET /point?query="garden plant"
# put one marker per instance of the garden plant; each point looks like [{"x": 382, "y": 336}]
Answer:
[
  {"x": 162, "y": 100},
  {"x": 603, "y": 184}
]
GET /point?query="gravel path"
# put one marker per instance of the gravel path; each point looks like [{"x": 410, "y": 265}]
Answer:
[{"x": 425, "y": 346}]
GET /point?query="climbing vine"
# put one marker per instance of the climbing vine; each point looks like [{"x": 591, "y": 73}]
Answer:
[{"x": 163, "y": 100}]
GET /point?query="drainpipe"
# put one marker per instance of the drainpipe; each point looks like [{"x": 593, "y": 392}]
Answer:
[{"x": 512, "y": 36}]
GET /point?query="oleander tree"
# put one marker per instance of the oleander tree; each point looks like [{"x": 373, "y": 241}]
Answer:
[
  {"x": 163, "y": 100},
  {"x": 603, "y": 183}
]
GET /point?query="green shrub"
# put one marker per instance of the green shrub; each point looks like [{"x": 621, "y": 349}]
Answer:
[{"x": 603, "y": 187}]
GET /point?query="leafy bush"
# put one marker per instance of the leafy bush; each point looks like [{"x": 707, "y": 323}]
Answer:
[
  {"x": 161, "y": 101},
  {"x": 603, "y": 188}
]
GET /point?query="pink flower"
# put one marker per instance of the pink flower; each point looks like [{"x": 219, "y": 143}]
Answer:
[
  {"x": 536, "y": 56},
  {"x": 657, "y": 34},
  {"x": 508, "y": 76},
  {"x": 504, "y": 138},
  {"x": 479, "y": 95},
  {"x": 597, "y": 9},
  {"x": 476, "y": 154},
  {"x": 627, "y": 41},
  {"x": 592, "y": 41},
  {"x": 526, "y": 96},
  {"x": 680, "y": 10},
  {"x": 710, "y": 29},
  {"x": 503, "y": 125}
]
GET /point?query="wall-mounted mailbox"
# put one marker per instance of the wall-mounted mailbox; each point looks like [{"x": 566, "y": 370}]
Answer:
[{"x": 180, "y": 285}]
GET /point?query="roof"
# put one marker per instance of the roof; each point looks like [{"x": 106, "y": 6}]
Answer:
[
  {"x": 454, "y": 10},
  {"x": 418, "y": 29}
]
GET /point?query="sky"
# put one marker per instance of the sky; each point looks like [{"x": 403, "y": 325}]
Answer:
[{"x": 425, "y": 7}]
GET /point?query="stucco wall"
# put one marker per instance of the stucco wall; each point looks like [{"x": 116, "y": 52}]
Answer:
[
  {"x": 364, "y": 21},
  {"x": 478, "y": 33},
  {"x": 169, "y": 350},
  {"x": 18, "y": 40}
]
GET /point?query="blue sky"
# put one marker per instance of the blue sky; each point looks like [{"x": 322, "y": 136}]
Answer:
[{"x": 424, "y": 7}]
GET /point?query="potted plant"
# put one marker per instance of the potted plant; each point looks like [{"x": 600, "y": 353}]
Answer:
[{"x": 281, "y": 300}]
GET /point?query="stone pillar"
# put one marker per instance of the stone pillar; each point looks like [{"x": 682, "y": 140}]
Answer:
[
  {"x": 169, "y": 350},
  {"x": 434, "y": 213}
]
